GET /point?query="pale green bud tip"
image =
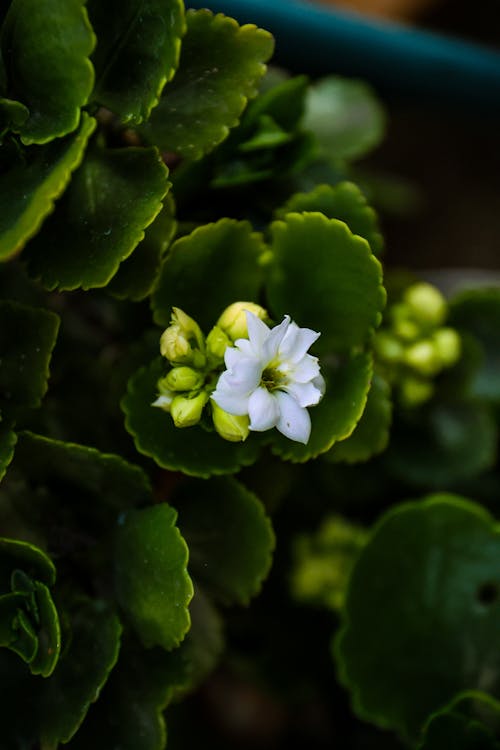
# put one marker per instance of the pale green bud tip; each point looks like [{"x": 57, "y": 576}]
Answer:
[
  {"x": 229, "y": 426},
  {"x": 233, "y": 320},
  {"x": 184, "y": 378},
  {"x": 414, "y": 391},
  {"x": 183, "y": 343},
  {"x": 186, "y": 411},
  {"x": 423, "y": 358},
  {"x": 426, "y": 303},
  {"x": 217, "y": 343},
  {"x": 448, "y": 346},
  {"x": 163, "y": 402}
]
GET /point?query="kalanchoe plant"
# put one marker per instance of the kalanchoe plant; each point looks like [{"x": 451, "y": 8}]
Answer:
[{"x": 192, "y": 309}]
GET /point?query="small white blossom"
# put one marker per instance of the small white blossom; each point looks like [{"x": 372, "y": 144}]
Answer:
[{"x": 271, "y": 378}]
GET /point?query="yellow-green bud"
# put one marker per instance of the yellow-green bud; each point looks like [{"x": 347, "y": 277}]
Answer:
[
  {"x": 448, "y": 346},
  {"x": 423, "y": 358},
  {"x": 388, "y": 347},
  {"x": 402, "y": 324},
  {"x": 217, "y": 343},
  {"x": 183, "y": 343},
  {"x": 414, "y": 391},
  {"x": 427, "y": 304},
  {"x": 233, "y": 320},
  {"x": 186, "y": 411},
  {"x": 230, "y": 426},
  {"x": 184, "y": 378},
  {"x": 164, "y": 400}
]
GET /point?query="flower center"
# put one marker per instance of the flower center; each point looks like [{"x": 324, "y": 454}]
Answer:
[{"x": 273, "y": 379}]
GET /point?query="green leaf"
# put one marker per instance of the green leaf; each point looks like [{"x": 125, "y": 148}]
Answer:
[
  {"x": 445, "y": 442},
  {"x": 477, "y": 312},
  {"x": 15, "y": 554},
  {"x": 345, "y": 116},
  {"x": 192, "y": 450},
  {"x": 227, "y": 254},
  {"x": 112, "y": 198},
  {"x": 344, "y": 201},
  {"x": 229, "y": 536},
  {"x": 27, "y": 337},
  {"x": 284, "y": 103},
  {"x": 137, "y": 53},
  {"x": 151, "y": 580},
  {"x": 325, "y": 278},
  {"x": 12, "y": 115},
  {"x": 31, "y": 182},
  {"x": 371, "y": 434},
  {"x": 82, "y": 671},
  {"x": 460, "y": 724},
  {"x": 428, "y": 566},
  {"x": 220, "y": 68},
  {"x": 8, "y": 439},
  {"x": 136, "y": 276},
  {"x": 46, "y": 48},
  {"x": 335, "y": 417},
  {"x": 49, "y": 632}
]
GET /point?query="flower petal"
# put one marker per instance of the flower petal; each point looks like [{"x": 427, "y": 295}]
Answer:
[
  {"x": 297, "y": 342},
  {"x": 234, "y": 404},
  {"x": 243, "y": 377},
  {"x": 294, "y": 421},
  {"x": 306, "y": 369},
  {"x": 306, "y": 394},
  {"x": 272, "y": 343},
  {"x": 257, "y": 331},
  {"x": 263, "y": 410}
]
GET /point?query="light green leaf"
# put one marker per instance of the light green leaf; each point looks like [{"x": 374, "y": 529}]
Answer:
[
  {"x": 112, "y": 198},
  {"x": 137, "y": 53},
  {"x": 151, "y": 581},
  {"x": 31, "y": 182},
  {"x": 345, "y": 116},
  {"x": 325, "y": 278},
  {"x": 220, "y": 68},
  {"x": 229, "y": 536},
  {"x": 428, "y": 566},
  {"x": 207, "y": 270},
  {"x": 46, "y": 48}
]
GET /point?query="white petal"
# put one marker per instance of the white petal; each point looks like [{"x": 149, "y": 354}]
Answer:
[
  {"x": 319, "y": 383},
  {"x": 232, "y": 356},
  {"x": 233, "y": 404},
  {"x": 272, "y": 343},
  {"x": 306, "y": 394},
  {"x": 243, "y": 377},
  {"x": 263, "y": 410},
  {"x": 257, "y": 331},
  {"x": 294, "y": 421},
  {"x": 246, "y": 348},
  {"x": 296, "y": 344},
  {"x": 306, "y": 369}
]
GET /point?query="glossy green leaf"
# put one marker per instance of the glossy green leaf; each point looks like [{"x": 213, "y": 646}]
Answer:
[
  {"x": 460, "y": 726},
  {"x": 30, "y": 183},
  {"x": 137, "y": 274},
  {"x": 428, "y": 566},
  {"x": 325, "y": 278},
  {"x": 8, "y": 439},
  {"x": 344, "y": 201},
  {"x": 27, "y": 337},
  {"x": 478, "y": 313},
  {"x": 284, "y": 103},
  {"x": 83, "y": 669},
  {"x": 12, "y": 115},
  {"x": 137, "y": 53},
  {"x": 444, "y": 443},
  {"x": 151, "y": 580},
  {"x": 192, "y": 449},
  {"x": 229, "y": 536},
  {"x": 345, "y": 116},
  {"x": 207, "y": 270},
  {"x": 46, "y": 48},
  {"x": 220, "y": 68},
  {"x": 15, "y": 554},
  {"x": 112, "y": 198},
  {"x": 336, "y": 416},
  {"x": 371, "y": 434}
]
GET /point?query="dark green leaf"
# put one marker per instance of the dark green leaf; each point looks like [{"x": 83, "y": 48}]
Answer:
[
  {"x": 8, "y": 441},
  {"x": 191, "y": 449},
  {"x": 151, "y": 580},
  {"x": 12, "y": 116},
  {"x": 112, "y": 198},
  {"x": 136, "y": 276},
  {"x": 220, "y": 68},
  {"x": 81, "y": 672},
  {"x": 46, "y": 48},
  {"x": 48, "y": 633},
  {"x": 27, "y": 337},
  {"x": 371, "y": 434},
  {"x": 345, "y": 116},
  {"x": 229, "y": 536},
  {"x": 137, "y": 53},
  {"x": 325, "y": 278},
  {"x": 15, "y": 554},
  {"x": 30, "y": 183},
  {"x": 283, "y": 102},
  {"x": 344, "y": 201},
  {"x": 460, "y": 726},
  {"x": 211, "y": 268},
  {"x": 428, "y": 566}
]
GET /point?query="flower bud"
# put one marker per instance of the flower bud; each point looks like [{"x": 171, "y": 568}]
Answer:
[
  {"x": 229, "y": 426},
  {"x": 427, "y": 304},
  {"x": 184, "y": 378},
  {"x": 186, "y": 410},
  {"x": 233, "y": 320},
  {"x": 423, "y": 358},
  {"x": 165, "y": 398},
  {"x": 403, "y": 326},
  {"x": 182, "y": 343},
  {"x": 415, "y": 391},
  {"x": 217, "y": 343},
  {"x": 388, "y": 347},
  {"x": 448, "y": 346}
]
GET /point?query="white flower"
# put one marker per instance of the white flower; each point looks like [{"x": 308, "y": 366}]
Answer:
[{"x": 271, "y": 378}]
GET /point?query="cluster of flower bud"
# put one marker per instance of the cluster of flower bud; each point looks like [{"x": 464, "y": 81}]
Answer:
[
  {"x": 416, "y": 346},
  {"x": 195, "y": 363}
]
